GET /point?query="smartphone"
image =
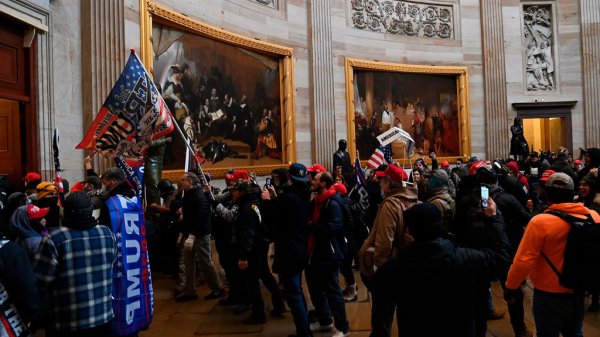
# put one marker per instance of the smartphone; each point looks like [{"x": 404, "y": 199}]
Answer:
[
  {"x": 267, "y": 182},
  {"x": 431, "y": 152},
  {"x": 485, "y": 194}
]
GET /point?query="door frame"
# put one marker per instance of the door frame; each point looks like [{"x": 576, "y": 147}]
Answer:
[{"x": 561, "y": 109}]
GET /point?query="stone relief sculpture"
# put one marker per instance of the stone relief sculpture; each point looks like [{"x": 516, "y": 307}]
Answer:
[
  {"x": 403, "y": 18},
  {"x": 538, "y": 30},
  {"x": 268, "y": 3}
]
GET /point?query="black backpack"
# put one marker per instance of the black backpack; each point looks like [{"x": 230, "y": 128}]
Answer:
[{"x": 581, "y": 267}]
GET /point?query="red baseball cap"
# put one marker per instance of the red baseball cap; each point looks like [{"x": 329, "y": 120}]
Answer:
[
  {"x": 476, "y": 166},
  {"x": 238, "y": 175},
  {"x": 577, "y": 161},
  {"x": 396, "y": 173},
  {"x": 77, "y": 187},
  {"x": 513, "y": 166},
  {"x": 316, "y": 168},
  {"x": 445, "y": 163},
  {"x": 34, "y": 212},
  {"x": 31, "y": 176},
  {"x": 547, "y": 175}
]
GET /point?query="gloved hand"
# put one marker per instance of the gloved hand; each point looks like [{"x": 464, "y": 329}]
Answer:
[{"x": 512, "y": 296}]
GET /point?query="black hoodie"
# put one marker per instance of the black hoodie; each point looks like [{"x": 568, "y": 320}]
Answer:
[{"x": 123, "y": 189}]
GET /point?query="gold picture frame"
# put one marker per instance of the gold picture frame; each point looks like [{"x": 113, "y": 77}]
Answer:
[
  {"x": 153, "y": 13},
  {"x": 355, "y": 66}
]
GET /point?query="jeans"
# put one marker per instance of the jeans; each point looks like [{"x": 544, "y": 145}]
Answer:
[
  {"x": 558, "y": 313},
  {"x": 201, "y": 246},
  {"x": 327, "y": 295},
  {"x": 292, "y": 285}
]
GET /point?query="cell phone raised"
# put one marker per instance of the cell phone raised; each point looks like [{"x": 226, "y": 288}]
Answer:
[
  {"x": 485, "y": 194},
  {"x": 268, "y": 182}
]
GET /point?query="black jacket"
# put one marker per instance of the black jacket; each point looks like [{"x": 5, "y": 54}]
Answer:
[
  {"x": 439, "y": 272},
  {"x": 196, "y": 213},
  {"x": 17, "y": 276},
  {"x": 288, "y": 216},
  {"x": 247, "y": 226},
  {"x": 515, "y": 216}
]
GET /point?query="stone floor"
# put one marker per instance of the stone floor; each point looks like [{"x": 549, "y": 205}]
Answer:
[{"x": 205, "y": 318}]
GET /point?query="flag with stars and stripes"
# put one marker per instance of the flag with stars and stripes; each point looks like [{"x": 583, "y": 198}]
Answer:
[
  {"x": 133, "y": 115},
  {"x": 381, "y": 156}
]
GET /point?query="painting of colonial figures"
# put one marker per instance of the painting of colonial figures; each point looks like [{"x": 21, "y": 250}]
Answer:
[
  {"x": 424, "y": 105},
  {"x": 224, "y": 97},
  {"x": 538, "y": 35}
]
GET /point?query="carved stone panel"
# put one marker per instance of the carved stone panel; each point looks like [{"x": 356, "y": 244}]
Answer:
[
  {"x": 538, "y": 33},
  {"x": 404, "y": 18},
  {"x": 268, "y": 3}
]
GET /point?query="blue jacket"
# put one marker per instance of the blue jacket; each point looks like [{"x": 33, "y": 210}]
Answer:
[{"x": 330, "y": 242}]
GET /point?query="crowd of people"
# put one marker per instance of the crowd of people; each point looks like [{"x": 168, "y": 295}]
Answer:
[{"x": 434, "y": 235}]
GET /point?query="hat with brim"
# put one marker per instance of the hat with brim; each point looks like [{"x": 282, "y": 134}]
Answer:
[
  {"x": 34, "y": 212},
  {"x": 393, "y": 172},
  {"x": 546, "y": 175},
  {"x": 297, "y": 172}
]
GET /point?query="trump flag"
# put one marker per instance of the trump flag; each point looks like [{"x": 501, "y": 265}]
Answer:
[{"x": 133, "y": 115}]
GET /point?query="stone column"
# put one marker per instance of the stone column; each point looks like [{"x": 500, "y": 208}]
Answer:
[
  {"x": 494, "y": 79},
  {"x": 321, "y": 57},
  {"x": 590, "y": 46},
  {"x": 103, "y": 56}
]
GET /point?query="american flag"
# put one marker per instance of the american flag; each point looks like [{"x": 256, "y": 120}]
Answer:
[
  {"x": 57, "y": 177},
  {"x": 381, "y": 156},
  {"x": 133, "y": 115}
]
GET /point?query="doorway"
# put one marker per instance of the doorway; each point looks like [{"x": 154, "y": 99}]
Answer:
[{"x": 545, "y": 134}]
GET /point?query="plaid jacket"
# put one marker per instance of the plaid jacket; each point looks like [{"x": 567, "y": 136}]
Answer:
[{"x": 74, "y": 268}]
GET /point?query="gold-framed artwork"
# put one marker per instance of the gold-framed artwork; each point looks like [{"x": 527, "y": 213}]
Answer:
[
  {"x": 232, "y": 95},
  {"x": 431, "y": 103}
]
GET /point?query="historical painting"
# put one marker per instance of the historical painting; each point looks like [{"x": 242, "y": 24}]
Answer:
[
  {"x": 226, "y": 96},
  {"x": 423, "y": 101}
]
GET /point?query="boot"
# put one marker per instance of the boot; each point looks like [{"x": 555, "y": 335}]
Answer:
[{"x": 351, "y": 293}]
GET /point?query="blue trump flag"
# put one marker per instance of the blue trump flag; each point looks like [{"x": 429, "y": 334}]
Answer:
[
  {"x": 133, "y": 296},
  {"x": 360, "y": 192}
]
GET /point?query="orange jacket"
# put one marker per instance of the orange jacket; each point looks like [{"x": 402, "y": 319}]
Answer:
[{"x": 545, "y": 233}]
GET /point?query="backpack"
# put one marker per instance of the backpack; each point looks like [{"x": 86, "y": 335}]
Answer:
[
  {"x": 581, "y": 267},
  {"x": 355, "y": 220}
]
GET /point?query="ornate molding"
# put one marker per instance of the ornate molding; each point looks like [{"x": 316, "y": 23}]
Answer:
[
  {"x": 538, "y": 33},
  {"x": 404, "y": 18},
  {"x": 268, "y": 3},
  {"x": 405, "y": 68},
  {"x": 160, "y": 13}
]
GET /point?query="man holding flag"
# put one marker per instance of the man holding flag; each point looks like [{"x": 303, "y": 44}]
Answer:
[{"x": 133, "y": 116}]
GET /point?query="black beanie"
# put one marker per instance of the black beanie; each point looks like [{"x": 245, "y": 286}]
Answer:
[
  {"x": 424, "y": 222},
  {"x": 78, "y": 207},
  {"x": 486, "y": 176}
]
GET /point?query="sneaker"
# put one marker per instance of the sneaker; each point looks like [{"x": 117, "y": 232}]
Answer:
[
  {"x": 351, "y": 293},
  {"x": 318, "y": 327},
  {"x": 593, "y": 307},
  {"x": 254, "y": 320},
  {"x": 495, "y": 315},
  {"x": 215, "y": 294},
  {"x": 185, "y": 298},
  {"x": 341, "y": 334}
]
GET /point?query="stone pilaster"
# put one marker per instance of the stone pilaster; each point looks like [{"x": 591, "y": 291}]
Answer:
[
  {"x": 103, "y": 56},
  {"x": 323, "y": 99},
  {"x": 495, "y": 97},
  {"x": 590, "y": 47}
]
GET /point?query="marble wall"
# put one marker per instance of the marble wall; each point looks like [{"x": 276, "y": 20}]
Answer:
[{"x": 290, "y": 25}]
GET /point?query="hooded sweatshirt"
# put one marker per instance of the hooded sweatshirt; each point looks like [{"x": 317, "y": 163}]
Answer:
[{"x": 27, "y": 237}]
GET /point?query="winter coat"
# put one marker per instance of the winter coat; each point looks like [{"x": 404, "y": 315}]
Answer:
[
  {"x": 26, "y": 236},
  {"x": 247, "y": 229},
  {"x": 438, "y": 271},
  {"x": 442, "y": 200},
  {"x": 328, "y": 232},
  {"x": 387, "y": 236},
  {"x": 196, "y": 213},
  {"x": 515, "y": 216},
  {"x": 288, "y": 216},
  {"x": 17, "y": 276}
]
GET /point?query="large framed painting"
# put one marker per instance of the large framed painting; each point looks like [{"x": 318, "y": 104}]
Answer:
[
  {"x": 428, "y": 102},
  {"x": 231, "y": 95}
]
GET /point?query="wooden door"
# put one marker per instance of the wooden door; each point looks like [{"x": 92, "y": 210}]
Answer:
[{"x": 10, "y": 144}]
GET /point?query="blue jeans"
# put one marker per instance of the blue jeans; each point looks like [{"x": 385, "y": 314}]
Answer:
[
  {"x": 327, "y": 296},
  {"x": 292, "y": 285},
  {"x": 558, "y": 313}
]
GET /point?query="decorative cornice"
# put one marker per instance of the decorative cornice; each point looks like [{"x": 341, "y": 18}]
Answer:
[
  {"x": 406, "y": 68},
  {"x": 404, "y": 18},
  {"x": 540, "y": 105},
  {"x": 159, "y": 12}
]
